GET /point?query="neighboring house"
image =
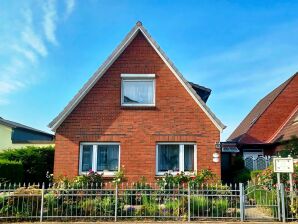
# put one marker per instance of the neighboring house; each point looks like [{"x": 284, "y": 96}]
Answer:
[
  {"x": 137, "y": 112},
  {"x": 272, "y": 121},
  {"x": 15, "y": 135}
]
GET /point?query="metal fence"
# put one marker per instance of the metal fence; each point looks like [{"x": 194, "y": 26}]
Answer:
[
  {"x": 148, "y": 202},
  {"x": 109, "y": 202},
  {"x": 290, "y": 198}
]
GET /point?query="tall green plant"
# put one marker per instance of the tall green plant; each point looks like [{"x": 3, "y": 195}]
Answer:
[{"x": 36, "y": 161}]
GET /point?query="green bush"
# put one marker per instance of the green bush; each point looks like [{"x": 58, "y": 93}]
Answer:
[
  {"x": 11, "y": 171},
  {"x": 254, "y": 174},
  {"x": 289, "y": 147},
  {"x": 219, "y": 207},
  {"x": 238, "y": 163},
  {"x": 36, "y": 161},
  {"x": 199, "y": 205},
  {"x": 21, "y": 205},
  {"x": 149, "y": 207},
  {"x": 242, "y": 176}
]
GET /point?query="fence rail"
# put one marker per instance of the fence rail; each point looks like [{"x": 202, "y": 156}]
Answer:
[
  {"x": 145, "y": 201},
  {"x": 109, "y": 202}
]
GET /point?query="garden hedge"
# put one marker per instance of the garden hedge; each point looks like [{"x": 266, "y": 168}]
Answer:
[
  {"x": 11, "y": 171},
  {"x": 36, "y": 162}
]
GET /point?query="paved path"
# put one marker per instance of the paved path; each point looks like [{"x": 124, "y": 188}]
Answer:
[{"x": 257, "y": 213}]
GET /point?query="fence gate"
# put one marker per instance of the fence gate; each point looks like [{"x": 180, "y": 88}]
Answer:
[{"x": 261, "y": 203}]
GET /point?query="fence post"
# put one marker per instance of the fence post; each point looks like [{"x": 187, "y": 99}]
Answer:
[
  {"x": 278, "y": 201},
  {"x": 116, "y": 202},
  {"x": 188, "y": 201},
  {"x": 41, "y": 204},
  {"x": 282, "y": 197},
  {"x": 242, "y": 201}
]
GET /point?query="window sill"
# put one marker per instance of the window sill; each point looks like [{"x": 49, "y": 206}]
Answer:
[
  {"x": 138, "y": 107},
  {"x": 109, "y": 175},
  {"x": 191, "y": 174}
]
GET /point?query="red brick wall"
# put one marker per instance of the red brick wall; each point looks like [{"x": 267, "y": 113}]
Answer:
[
  {"x": 100, "y": 118},
  {"x": 277, "y": 113}
]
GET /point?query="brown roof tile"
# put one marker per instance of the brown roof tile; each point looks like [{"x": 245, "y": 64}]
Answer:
[{"x": 240, "y": 132}]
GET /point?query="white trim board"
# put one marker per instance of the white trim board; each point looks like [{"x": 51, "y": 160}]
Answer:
[{"x": 111, "y": 59}]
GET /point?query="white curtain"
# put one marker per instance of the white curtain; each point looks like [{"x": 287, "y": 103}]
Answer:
[
  {"x": 107, "y": 157},
  {"x": 87, "y": 158},
  {"x": 138, "y": 92},
  {"x": 168, "y": 158},
  {"x": 188, "y": 158}
]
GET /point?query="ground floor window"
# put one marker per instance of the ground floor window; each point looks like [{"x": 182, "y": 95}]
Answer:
[
  {"x": 99, "y": 157},
  {"x": 176, "y": 157}
]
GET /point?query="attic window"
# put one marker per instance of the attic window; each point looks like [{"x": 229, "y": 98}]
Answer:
[{"x": 138, "y": 90}]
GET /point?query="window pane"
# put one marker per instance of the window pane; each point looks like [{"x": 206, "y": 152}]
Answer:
[
  {"x": 168, "y": 157},
  {"x": 188, "y": 157},
  {"x": 107, "y": 157},
  {"x": 87, "y": 157},
  {"x": 138, "y": 92}
]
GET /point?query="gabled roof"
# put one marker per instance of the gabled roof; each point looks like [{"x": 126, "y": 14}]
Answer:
[
  {"x": 240, "y": 133},
  {"x": 110, "y": 60},
  {"x": 288, "y": 129},
  {"x": 13, "y": 124}
]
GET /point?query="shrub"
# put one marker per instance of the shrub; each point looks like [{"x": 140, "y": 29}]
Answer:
[
  {"x": 21, "y": 205},
  {"x": 149, "y": 207},
  {"x": 133, "y": 196},
  {"x": 36, "y": 162},
  {"x": 254, "y": 174},
  {"x": 11, "y": 171},
  {"x": 198, "y": 205},
  {"x": 238, "y": 163},
  {"x": 242, "y": 176},
  {"x": 170, "y": 181},
  {"x": 290, "y": 147},
  {"x": 104, "y": 206},
  {"x": 176, "y": 207},
  {"x": 90, "y": 180},
  {"x": 203, "y": 177},
  {"x": 219, "y": 207}
]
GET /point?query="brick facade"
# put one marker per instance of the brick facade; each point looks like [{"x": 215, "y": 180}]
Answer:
[
  {"x": 99, "y": 117},
  {"x": 277, "y": 113}
]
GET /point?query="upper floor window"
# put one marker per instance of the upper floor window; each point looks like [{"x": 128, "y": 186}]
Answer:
[{"x": 138, "y": 90}]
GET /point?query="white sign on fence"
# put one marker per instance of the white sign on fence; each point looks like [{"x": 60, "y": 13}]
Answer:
[{"x": 283, "y": 165}]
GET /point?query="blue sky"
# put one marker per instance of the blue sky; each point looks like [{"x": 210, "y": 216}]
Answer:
[{"x": 239, "y": 49}]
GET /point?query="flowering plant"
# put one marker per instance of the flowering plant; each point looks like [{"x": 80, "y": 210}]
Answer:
[{"x": 119, "y": 176}]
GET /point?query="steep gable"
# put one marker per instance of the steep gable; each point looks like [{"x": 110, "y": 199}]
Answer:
[
  {"x": 269, "y": 114},
  {"x": 138, "y": 29}
]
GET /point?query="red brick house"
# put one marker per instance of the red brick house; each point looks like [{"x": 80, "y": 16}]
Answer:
[
  {"x": 274, "y": 119},
  {"x": 137, "y": 111}
]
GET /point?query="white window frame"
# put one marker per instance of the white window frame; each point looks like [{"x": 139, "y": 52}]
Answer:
[
  {"x": 181, "y": 158},
  {"x": 140, "y": 78},
  {"x": 94, "y": 157}
]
